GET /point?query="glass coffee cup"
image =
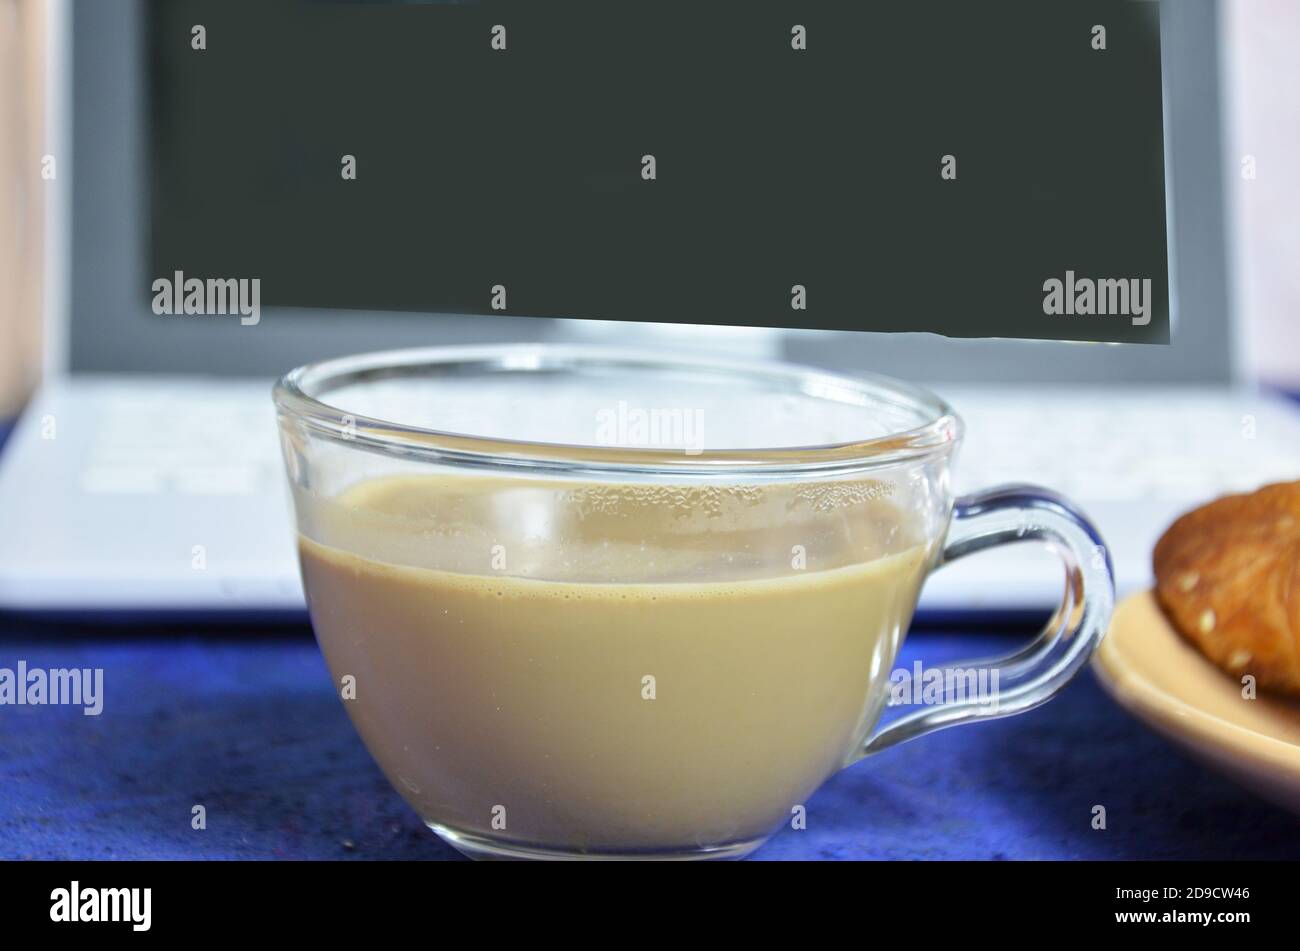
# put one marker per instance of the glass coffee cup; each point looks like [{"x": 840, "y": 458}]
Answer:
[{"x": 590, "y": 603}]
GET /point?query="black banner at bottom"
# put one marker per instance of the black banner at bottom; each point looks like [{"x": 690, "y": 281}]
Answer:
[{"x": 230, "y": 899}]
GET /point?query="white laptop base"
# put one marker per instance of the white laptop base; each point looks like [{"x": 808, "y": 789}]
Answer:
[{"x": 144, "y": 494}]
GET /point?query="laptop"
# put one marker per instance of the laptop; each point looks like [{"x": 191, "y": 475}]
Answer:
[{"x": 144, "y": 477}]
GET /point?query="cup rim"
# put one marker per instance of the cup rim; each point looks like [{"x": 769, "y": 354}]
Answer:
[{"x": 301, "y": 395}]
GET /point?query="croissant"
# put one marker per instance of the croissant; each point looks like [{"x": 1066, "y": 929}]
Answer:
[{"x": 1228, "y": 577}]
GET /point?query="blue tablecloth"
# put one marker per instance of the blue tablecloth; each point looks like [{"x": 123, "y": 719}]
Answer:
[
  {"x": 244, "y": 720},
  {"x": 247, "y": 724}
]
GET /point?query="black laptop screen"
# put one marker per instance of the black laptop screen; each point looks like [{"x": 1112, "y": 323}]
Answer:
[{"x": 876, "y": 166}]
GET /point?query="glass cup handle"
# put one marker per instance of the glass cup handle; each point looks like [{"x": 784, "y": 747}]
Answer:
[{"x": 1036, "y": 673}]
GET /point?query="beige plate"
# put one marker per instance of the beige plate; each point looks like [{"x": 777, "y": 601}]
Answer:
[{"x": 1155, "y": 674}]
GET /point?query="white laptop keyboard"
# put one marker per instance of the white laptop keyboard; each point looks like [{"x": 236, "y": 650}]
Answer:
[
  {"x": 185, "y": 441},
  {"x": 1093, "y": 446},
  {"x": 144, "y": 471},
  {"x": 1132, "y": 460},
  {"x": 1126, "y": 446}
]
